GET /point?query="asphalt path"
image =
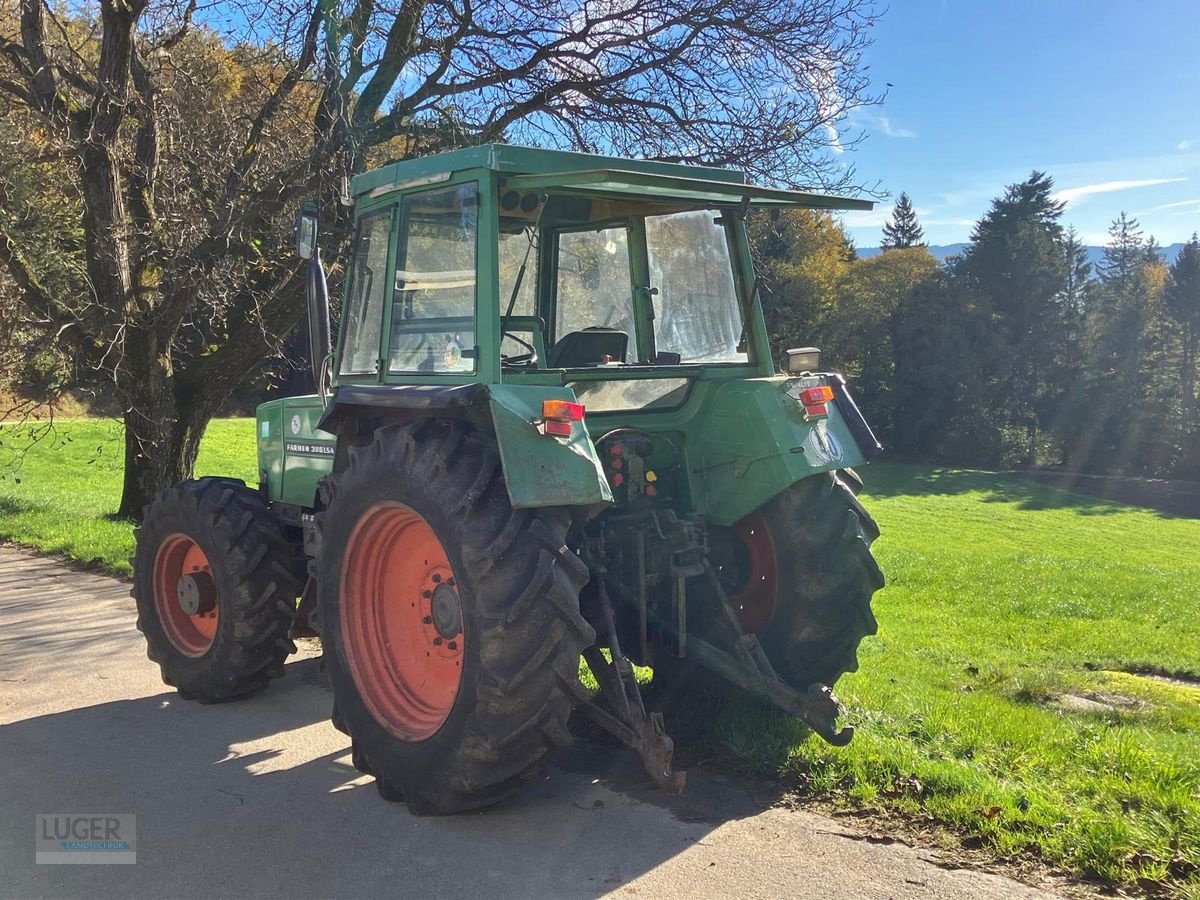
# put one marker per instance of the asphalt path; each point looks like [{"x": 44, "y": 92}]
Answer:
[{"x": 258, "y": 798}]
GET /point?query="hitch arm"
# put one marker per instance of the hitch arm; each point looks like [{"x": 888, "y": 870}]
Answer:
[
  {"x": 749, "y": 668},
  {"x": 629, "y": 722}
]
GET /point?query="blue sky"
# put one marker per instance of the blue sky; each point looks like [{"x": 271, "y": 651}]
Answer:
[{"x": 1105, "y": 96}]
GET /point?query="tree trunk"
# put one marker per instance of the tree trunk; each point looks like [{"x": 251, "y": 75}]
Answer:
[{"x": 160, "y": 450}]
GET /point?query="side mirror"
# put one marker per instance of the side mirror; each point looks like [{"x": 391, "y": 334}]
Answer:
[
  {"x": 306, "y": 230},
  {"x": 803, "y": 359}
]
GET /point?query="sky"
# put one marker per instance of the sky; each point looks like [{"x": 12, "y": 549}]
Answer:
[{"x": 1102, "y": 95}]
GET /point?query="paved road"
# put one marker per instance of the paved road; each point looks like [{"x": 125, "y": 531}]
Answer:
[{"x": 258, "y": 798}]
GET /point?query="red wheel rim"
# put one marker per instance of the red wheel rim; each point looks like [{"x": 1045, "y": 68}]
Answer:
[
  {"x": 755, "y": 602},
  {"x": 407, "y": 665},
  {"x": 191, "y": 633}
]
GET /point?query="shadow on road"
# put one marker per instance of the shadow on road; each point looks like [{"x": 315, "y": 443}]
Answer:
[{"x": 258, "y": 798}]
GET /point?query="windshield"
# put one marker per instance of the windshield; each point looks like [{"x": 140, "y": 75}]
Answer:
[
  {"x": 683, "y": 288},
  {"x": 696, "y": 310}
]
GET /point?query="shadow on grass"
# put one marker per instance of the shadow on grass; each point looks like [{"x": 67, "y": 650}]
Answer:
[
  {"x": 903, "y": 480},
  {"x": 10, "y": 506}
]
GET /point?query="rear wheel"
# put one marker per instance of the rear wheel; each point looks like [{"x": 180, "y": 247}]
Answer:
[
  {"x": 215, "y": 580},
  {"x": 816, "y": 537},
  {"x": 800, "y": 575},
  {"x": 450, "y": 620}
]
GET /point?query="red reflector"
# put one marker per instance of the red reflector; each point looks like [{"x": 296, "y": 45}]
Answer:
[
  {"x": 556, "y": 428},
  {"x": 816, "y": 396},
  {"x": 817, "y": 410},
  {"x": 563, "y": 410}
]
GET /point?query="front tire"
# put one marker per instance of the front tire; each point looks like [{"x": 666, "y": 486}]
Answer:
[
  {"x": 215, "y": 581},
  {"x": 450, "y": 620}
]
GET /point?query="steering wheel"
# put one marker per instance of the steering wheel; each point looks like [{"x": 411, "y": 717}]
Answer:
[{"x": 519, "y": 359}]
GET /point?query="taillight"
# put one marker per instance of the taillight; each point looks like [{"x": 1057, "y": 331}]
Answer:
[
  {"x": 815, "y": 399},
  {"x": 815, "y": 396},
  {"x": 565, "y": 410},
  {"x": 557, "y": 416}
]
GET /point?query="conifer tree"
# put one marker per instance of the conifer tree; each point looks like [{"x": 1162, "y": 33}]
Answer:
[
  {"x": 1182, "y": 301},
  {"x": 903, "y": 230}
]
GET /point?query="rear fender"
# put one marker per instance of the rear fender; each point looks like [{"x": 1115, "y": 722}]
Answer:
[
  {"x": 758, "y": 442},
  {"x": 539, "y": 470}
]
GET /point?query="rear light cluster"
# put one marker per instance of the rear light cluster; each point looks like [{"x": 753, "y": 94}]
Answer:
[
  {"x": 558, "y": 416},
  {"x": 815, "y": 401}
]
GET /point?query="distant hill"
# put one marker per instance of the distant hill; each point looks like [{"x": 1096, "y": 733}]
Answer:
[{"x": 941, "y": 251}]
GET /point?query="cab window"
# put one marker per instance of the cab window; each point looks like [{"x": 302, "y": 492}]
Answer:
[
  {"x": 433, "y": 299},
  {"x": 593, "y": 285},
  {"x": 368, "y": 286},
  {"x": 696, "y": 309}
]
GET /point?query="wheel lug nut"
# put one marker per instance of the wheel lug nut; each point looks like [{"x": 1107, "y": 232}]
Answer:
[
  {"x": 437, "y": 579},
  {"x": 428, "y": 620},
  {"x": 437, "y": 642},
  {"x": 426, "y": 594},
  {"x": 452, "y": 645}
]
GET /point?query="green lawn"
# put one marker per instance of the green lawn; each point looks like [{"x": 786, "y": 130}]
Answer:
[
  {"x": 59, "y": 494},
  {"x": 1002, "y": 597}
]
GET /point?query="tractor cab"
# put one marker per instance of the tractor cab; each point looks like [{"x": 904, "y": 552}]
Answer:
[
  {"x": 505, "y": 264},
  {"x": 621, "y": 290}
]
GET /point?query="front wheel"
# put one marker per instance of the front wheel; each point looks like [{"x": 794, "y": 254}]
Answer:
[
  {"x": 451, "y": 620},
  {"x": 215, "y": 581}
]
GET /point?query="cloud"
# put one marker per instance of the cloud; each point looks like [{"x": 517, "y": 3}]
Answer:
[
  {"x": 1070, "y": 195},
  {"x": 867, "y": 121},
  {"x": 884, "y": 124},
  {"x": 1177, "y": 205},
  {"x": 866, "y": 218},
  {"x": 1183, "y": 146}
]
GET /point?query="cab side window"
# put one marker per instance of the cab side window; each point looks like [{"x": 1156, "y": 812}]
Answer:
[
  {"x": 364, "y": 306},
  {"x": 433, "y": 300}
]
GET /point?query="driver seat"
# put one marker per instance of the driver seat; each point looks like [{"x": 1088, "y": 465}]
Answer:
[{"x": 588, "y": 348}]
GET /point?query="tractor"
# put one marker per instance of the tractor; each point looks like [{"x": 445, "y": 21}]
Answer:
[{"x": 551, "y": 429}]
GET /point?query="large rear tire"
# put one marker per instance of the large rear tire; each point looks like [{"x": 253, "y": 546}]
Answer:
[
  {"x": 450, "y": 620},
  {"x": 215, "y": 581},
  {"x": 800, "y": 574},
  {"x": 820, "y": 538}
]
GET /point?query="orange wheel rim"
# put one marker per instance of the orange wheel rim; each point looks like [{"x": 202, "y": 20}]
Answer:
[
  {"x": 185, "y": 595},
  {"x": 755, "y": 602},
  {"x": 401, "y": 621}
]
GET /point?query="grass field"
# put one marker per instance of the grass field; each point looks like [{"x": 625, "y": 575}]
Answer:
[{"x": 997, "y": 697}]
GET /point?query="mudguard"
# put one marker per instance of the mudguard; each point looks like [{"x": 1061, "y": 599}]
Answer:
[
  {"x": 758, "y": 442},
  {"x": 539, "y": 470}
]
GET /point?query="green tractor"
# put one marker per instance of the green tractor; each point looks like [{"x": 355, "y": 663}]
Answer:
[{"x": 551, "y": 428}]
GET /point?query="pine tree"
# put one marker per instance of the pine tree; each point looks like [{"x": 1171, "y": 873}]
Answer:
[
  {"x": 903, "y": 230},
  {"x": 1015, "y": 267},
  {"x": 1182, "y": 302}
]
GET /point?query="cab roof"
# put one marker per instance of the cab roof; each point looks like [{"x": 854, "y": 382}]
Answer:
[{"x": 586, "y": 174}]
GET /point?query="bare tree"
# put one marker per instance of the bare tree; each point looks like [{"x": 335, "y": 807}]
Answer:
[{"x": 190, "y": 132}]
